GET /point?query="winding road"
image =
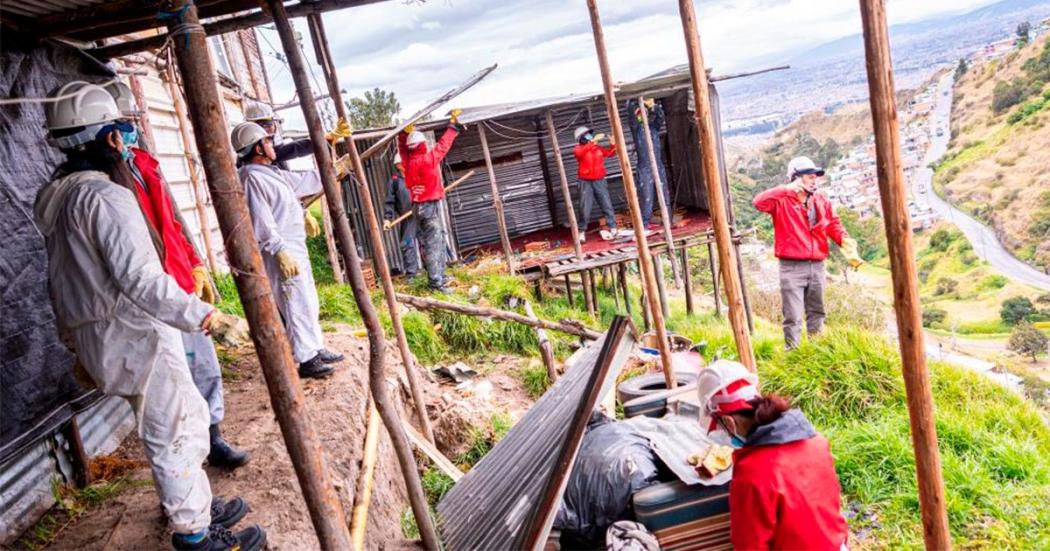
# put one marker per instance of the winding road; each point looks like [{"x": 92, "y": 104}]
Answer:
[{"x": 985, "y": 243}]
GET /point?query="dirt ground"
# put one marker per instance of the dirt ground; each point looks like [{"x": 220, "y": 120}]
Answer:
[{"x": 134, "y": 520}]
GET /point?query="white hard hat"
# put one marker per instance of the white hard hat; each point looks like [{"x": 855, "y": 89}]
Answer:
[
  {"x": 803, "y": 165},
  {"x": 579, "y": 132},
  {"x": 245, "y": 135},
  {"x": 124, "y": 97},
  {"x": 82, "y": 105},
  {"x": 415, "y": 138},
  {"x": 724, "y": 385},
  {"x": 397, "y": 158},
  {"x": 255, "y": 111}
]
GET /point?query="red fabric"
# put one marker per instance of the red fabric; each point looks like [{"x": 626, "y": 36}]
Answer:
[
  {"x": 786, "y": 496},
  {"x": 792, "y": 236},
  {"x": 423, "y": 166},
  {"x": 179, "y": 256},
  {"x": 590, "y": 160}
]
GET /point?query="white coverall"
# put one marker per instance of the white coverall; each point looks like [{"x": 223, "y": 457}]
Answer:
[
  {"x": 277, "y": 216},
  {"x": 124, "y": 316}
]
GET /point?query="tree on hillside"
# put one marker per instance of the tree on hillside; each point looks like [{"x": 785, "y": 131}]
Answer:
[
  {"x": 869, "y": 233},
  {"x": 376, "y": 109},
  {"x": 1016, "y": 310},
  {"x": 961, "y": 68},
  {"x": 1024, "y": 34},
  {"x": 1027, "y": 340}
]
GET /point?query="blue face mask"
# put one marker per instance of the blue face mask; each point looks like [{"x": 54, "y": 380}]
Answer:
[
  {"x": 126, "y": 154},
  {"x": 130, "y": 138},
  {"x": 736, "y": 442}
]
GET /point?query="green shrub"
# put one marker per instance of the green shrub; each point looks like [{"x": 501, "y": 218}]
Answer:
[
  {"x": 994, "y": 281},
  {"x": 946, "y": 286},
  {"x": 1016, "y": 309},
  {"x": 1028, "y": 341},
  {"x": 435, "y": 485},
  {"x": 535, "y": 379},
  {"x": 931, "y": 316}
]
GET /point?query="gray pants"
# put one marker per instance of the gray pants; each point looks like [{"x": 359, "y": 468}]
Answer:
[
  {"x": 646, "y": 186},
  {"x": 409, "y": 246},
  {"x": 206, "y": 372},
  {"x": 801, "y": 290},
  {"x": 589, "y": 191},
  {"x": 432, "y": 239}
]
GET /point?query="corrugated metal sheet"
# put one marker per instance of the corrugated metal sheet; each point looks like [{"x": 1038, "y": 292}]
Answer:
[{"x": 500, "y": 503}]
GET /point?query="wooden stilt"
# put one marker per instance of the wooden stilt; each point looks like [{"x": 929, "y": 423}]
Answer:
[
  {"x": 893, "y": 191},
  {"x": 570, "y": 210},
  {"x": 665, "y": 209},
  {"x": 78, "y": 454},
  {"x": 644, "y": 256},
  {"x": 714, "y": 279},
  {"x": 687, "y": 280},
  {"x": 715, "y": 194},
  {"x": 329, "y": 239},
  {"x": 568, "y": 290},
  {"x": 621, "y": 274},
  {"x": 497, "y": 202},
  {"x": 546, "y": 349},
  {"x": 593, "y": 281},
  {"x": 660, "y": 286}
]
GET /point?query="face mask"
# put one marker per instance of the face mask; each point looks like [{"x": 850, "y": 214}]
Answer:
[
  {"x": 588, "y": 136},
  {"x": 126, "y": 154},
  {"x": 736, "y": 442},
  {"x": 130, "y": 138}
]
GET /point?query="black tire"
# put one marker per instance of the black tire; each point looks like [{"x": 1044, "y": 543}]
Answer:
[{"x": 651, "y": 383}]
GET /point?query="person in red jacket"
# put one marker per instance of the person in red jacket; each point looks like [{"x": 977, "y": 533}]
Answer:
[
  {"x": 423, "y": 178},
  {"x": 181, "y": 262},
  {"x": 784, "y": 493},
  {"x": 803, "y": 220},
  {"x": 590, "y": 172}
]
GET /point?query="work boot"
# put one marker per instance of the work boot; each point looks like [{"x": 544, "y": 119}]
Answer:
[
  {"x": 220, "y": 538},
  {"x": 222, "y": 454},
  {"x": 315, "y": 368},
  {"x": 228, "y": 513},
  {"x": 329, "y": 357}
]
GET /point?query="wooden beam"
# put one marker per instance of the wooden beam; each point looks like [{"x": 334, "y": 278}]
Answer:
[
  {"x": 365, "y": 480},
  {"x": 893, "y": 191},
  {"x": 658, "y": 188},
  {"x": 497, "y": 203},
  {"x": 731, "y": 277},
  {"x": 687, "y": 280},
  {"x": 565, "y": 326},
  {"x": 546, "y": 350},
  {"x": 621, "y": 275},
  {"x": 658, "y": 265},
  {"x": 242, "y": 251},
  {"x": 715, "y": 287},
  {"x": 644, "y": 257},
  {"x": 570, "y": 210}
]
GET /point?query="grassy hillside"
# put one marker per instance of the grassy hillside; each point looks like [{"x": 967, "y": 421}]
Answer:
[{"x": 997, "y": 166}]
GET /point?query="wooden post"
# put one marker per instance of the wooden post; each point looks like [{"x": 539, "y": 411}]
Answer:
[
  {"x": 658, "y": 265},
  {"x": 644, "y": 257},
  {"x": 621, "y": 274},
  {"x": 665, "y": 210},
  {"x": 565, "y": 326},
  {"x": 191, "y": 167},
  {"x": 568, "y": 290},
  {"x": 497, "y": 203},
  {"x": 715, "y": 197},
  {"x": 546, "y": 350},
  {"x": 242, "y": 251},
  {"x": 78, "y": 454},
  {"x": 365, "y": 480},
  {"x": 717, "y": 292},
  {"x": 906, "y": 304},
  {"x": 687, "y": 281},
  {"x": 377, "y": 375},
  {"x": 570, "y": 210}
]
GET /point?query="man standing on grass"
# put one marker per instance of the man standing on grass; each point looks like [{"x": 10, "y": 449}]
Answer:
[{"x": 803, "y": 220}]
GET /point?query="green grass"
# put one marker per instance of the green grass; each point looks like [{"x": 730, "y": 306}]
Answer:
[
  {"x": 483, "y": 438},
  {"x": 535, "y": 379},
  {"x": 435, "y": 485}
]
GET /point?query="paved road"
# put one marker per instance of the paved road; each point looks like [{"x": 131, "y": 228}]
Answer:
[{"x": 985, "y": 243}]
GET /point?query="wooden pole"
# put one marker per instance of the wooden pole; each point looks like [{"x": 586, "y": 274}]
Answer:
[
  {"x": 621, "y": 275},
  {"x": 665, "y": 211},
  {"x": 570, "y": 210},
  {"x": 569, "y": 327},
  {"x": 644, "y": 257},
  {"x": 365, "y": 480},
  {"x": 242, "y": 251},
  {"x": 658, "y": 265},
  {"x": 329, "y": 239},
  {"x": 906, "y": 303},
  {"x": 546, "y": 350},
  {"x": 715, "y": 287},
  {"x": 377, "y": 346},
  {"x": 687, "y": 281},
  {"x": 715, "y": 196},
  {"x": 78, "y": 454},
  {"x": 497, "y": 203}
]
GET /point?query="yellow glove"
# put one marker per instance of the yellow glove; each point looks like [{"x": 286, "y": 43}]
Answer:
[
  {"x": 410, "y": 128},
  {"x": 202, "y": 285},
  {"x": 286, "y": 263},
  {"x": 387, "y": 225},
  {"x": 598, "y": 137},
  {"x": 649, "y": 103},
  {"x": 342, "y": 130},
  {"x": 313, "y": 229},
  {"x": 849, "y": 250},
  {"x": 230, "y": 330},
  {"x": 453, "y": 115}
]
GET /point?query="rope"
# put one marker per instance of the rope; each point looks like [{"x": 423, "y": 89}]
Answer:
[
  {"x": 529, "y": 133},
  {"x": 181, "y": 27}
]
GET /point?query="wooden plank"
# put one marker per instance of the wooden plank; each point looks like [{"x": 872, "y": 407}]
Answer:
[{"x": 440, "y": 461}]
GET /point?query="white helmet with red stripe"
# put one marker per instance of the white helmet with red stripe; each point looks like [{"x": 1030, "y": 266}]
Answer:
[{"x": 726, "y": 386}]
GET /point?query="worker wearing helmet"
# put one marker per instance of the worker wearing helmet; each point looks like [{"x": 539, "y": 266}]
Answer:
[
  {"x": 399, "y": 201},
  {"x": 278, "y": 219},
  {"x": 422, "y": 165},
  {"x": 122, "y": 314},
  {"x": 181, "y": 261},
  {"x": 803, "y": 221},
  {"x": 785, "y": 493},
  {"x": 646, "y": 182},
  {"x": 262, "y": 114},
  {"x": 590, "y": 167}
]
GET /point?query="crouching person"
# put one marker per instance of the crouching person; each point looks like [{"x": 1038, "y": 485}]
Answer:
[
  {"x": 785, "y": 493},
  {"x": 123, "y": 314}
]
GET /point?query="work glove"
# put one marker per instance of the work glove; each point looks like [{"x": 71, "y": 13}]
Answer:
[
  {"x": 410, "y": 128},
  {"x": 387, "y": 225},
  {"x": 287, "y": 265},
  {"x": 202, "y": 285},
  {"x": 341, "y": 131},
  {"x": 598, "y": 137},
  {"x": 649, "y": 103},
  {"x": 313, "y": 229},
  {"x": 849, "y": 250},
  {"x": 225, "y": 328},
  {"x": 453, "y": 115}
]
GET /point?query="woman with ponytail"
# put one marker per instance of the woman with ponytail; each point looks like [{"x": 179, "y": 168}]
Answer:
[{"x": 785, "y": 493}]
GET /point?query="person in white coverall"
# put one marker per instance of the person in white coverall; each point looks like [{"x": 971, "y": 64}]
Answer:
[
  {"x": 279, "y": 221},
  {"x": 123, "y": 315}
]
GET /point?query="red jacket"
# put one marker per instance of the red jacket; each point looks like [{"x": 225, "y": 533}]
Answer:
[
  {"x": 785, "y": 494},
  {"x": 590, "y": 160},
  {"x": 179, "y": 256},
  {"x": 423, "y": 166},
  {"x": 793, "y": 238}
]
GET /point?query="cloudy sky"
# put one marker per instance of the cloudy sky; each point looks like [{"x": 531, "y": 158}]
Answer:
[{"x": 545, "y": 47}]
